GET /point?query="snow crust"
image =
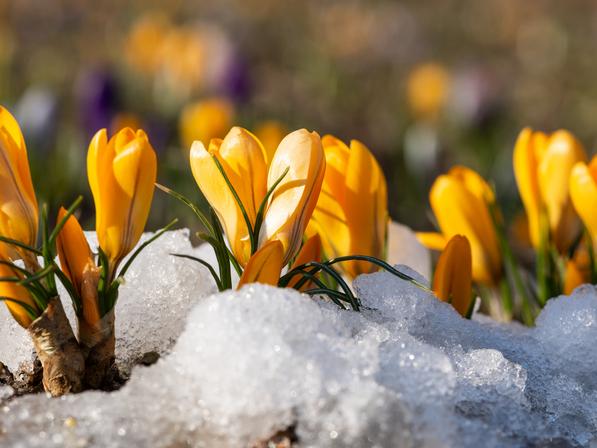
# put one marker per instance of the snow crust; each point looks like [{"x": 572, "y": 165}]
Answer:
[{"x": 407, "y": 371}]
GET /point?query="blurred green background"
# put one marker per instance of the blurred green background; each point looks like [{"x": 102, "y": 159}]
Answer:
[{"x": 424, "y": 85}]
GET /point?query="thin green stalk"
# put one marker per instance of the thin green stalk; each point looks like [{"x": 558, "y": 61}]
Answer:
[
  {"x": 261, "y": 212},
  {"x": 212, "y": 271},
  {"x": 20, "y": 245},
  {"x": 333, "y": 295},
  {"x": 239, "y": 203}
]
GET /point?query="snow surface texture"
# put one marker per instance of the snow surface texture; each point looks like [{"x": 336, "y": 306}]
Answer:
[
  {"x": 408, "y": 371},
  {"x": 152, "y": 306}
]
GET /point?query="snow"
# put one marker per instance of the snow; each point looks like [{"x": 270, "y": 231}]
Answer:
[{"x": 406, "y": 371}]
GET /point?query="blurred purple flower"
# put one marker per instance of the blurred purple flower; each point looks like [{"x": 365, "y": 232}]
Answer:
[
  {"x": 236, "y": 83},
  {"x": 97, "y": 100}
]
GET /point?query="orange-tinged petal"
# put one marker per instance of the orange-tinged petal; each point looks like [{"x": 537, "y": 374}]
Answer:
[
  {"x": 122, "y": 173},
  {"x": 18, "y": 205},
  {"x": 526, "y": 150},
  {"x": 294, "y": 199},
  {"x": 15, "y": 291},
  {"x": 329, "y": 217},
  {"x": 459, "y": 211},
  {"x": 563, "y": 151},
  {"x": 573, "y": 277},
  {"x": 264, "y": 266},
  {"x": 366, "y": 207},
  {"x": 218, "y": 194},
  {"x": 452, "y": 281},
  {"x": 245, "y": 161},
  {"x": 76, "y": 261},
  {"x": 311, "y": 251},
  {"x": 583, "y": 192},
  {"x": 432, "y": 240}
]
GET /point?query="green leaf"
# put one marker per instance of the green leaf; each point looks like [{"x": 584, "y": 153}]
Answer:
[
  {"x": 206, "y": 264},
  {"x": 250, "y": 229},
  {"x": 16, "y": 243},
  {"x": 31, "y": 312},
  {"x": 261, "y": 212},
  {"x": 186, "y": 201},
  {"x": 158, "y": 234}
]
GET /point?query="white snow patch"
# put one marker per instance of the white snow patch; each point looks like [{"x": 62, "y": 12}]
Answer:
[{"x": 407, "y": 371}]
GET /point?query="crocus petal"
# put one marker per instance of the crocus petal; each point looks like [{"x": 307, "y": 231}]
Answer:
[
  {"x": 573, "y": 277},
  {"x": 452, "y": 281},
  {"x": 329, "y": 217},
  {"x": 218, "y": 194},
  {"x": 459, "y": 211},
  {"x": 18, "y": 205},
  {"x": 583, "y": 192},
  {"x": 366, "y": 206},
  {"x": 352, "y": 211},
  {"x": 264, "y": 266},
  {"x": 76, "y": 261},
  {"x": 245, "y": 163},
  {"x": 15, "y": 291},
  {"x": 432, "y": 240},
  {"x": 562, "y": 153},
  {"x": 525, "y": 161},
  {"x": 294, "y": 199},
  {"x": 122, "y": 173}
]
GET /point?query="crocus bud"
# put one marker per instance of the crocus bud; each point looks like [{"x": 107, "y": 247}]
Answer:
[
  {"x": 352, "y": 211},
  {"x": 542, "y": 167},
  {"x": 293, "y": 200},
  {"x": 18, "y": 205},
  {"x": 122, "y": 173},
  {"x": 461, "y": 202},
  {"x": 244, "y": 161},
  {"x": 77, "y": 263},
  {"x": 583, "y": 192},
  {"x": 11, "y": 290},
  {"x": 264, "y": 266},
  {"x": 452, "y": 281}
]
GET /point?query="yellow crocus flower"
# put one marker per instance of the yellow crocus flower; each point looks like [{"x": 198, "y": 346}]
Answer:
[
  {"x": 122, "y": 173},
  {"x": 18, "y": 292},
  {"x": 244, "y": 161},
  {"x": 352, "y": 211},
  {"x": 292, "y": 202},
  {"x": 77, "y": 263},
  {"x": 18, "y": 205},
  {"x": 461, "y": 202},
  {"x": 583, "y": 192},
  {"x": 452, "y": 281},
  {"x": 204, "y": 120},
  {"x": 542, "y": 166},
  {"x": 264, "y": 266}
]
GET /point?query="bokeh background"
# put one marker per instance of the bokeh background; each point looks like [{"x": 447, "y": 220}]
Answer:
[{"x": 424, "y": 85}]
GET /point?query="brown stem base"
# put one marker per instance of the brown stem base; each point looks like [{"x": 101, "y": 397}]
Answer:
[
  {"x": 98, "y": 344},
  {"x": 57, "y": 348}
]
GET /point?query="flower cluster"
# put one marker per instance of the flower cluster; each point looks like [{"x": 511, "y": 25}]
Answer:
[
  {"x": 122, "y": 173},
  {"x": 559, "y": 193},
  {"x": 276, "y": 216}
]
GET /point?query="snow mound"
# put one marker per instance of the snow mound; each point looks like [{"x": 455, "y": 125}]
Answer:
[
  {"x": 407, "y": 371},
  {"x": 152, "y": 306}
]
